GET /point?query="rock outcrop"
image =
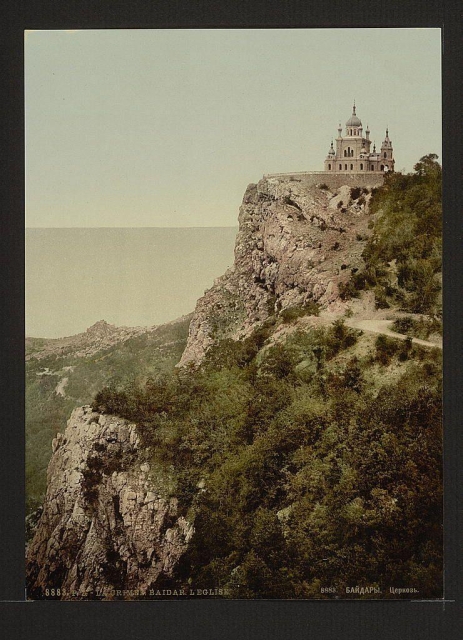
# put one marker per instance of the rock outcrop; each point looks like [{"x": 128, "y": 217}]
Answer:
[
  {"x": 105, "y": 524},
  {"x": 296, "y": 243}
]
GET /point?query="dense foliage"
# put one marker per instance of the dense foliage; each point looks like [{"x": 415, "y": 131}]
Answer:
[
  {"x": 311, "y": 464},
  {"x": 404, "y": 256},
  {"x": 301, "y": 471}
]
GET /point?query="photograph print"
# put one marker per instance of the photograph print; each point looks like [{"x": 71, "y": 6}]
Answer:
[{"x": 233, "y": 314}]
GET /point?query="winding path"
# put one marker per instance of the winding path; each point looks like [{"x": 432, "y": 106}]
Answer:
[{"x": 382, "y": 326}]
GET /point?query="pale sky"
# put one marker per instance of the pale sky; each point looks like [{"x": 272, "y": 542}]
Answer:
[{"x": 166, "y": 128}]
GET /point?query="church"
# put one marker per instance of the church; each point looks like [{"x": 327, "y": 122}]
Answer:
[{"x": 353, "y": 152}]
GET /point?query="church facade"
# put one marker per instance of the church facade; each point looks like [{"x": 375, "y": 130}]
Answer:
[{"x": 353, "y": 153}]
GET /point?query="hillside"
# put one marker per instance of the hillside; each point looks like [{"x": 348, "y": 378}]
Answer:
[
  {"x": 296, "y": 452},
  {"x": 64, "y": 373}
]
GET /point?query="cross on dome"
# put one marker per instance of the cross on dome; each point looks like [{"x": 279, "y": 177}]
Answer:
[{"x": 354, "y": 120}]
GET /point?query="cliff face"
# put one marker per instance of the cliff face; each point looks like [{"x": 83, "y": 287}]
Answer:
[
  {"x": 296, "y": 243},
  {"x": 105, "y": 525}
]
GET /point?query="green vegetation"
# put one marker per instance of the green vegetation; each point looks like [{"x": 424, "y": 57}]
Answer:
[
  {"x": 293, "y": 313},
  {"x": 298, "y": 469},
  {"x": 308, "y": 463},
  {"x": 421, "y": 328},
  {"x": 356, "y": 193},
  {"x": 133, "y": 361},
  {"x": 314, "y": 462},
  {"x": 387, "y": 348},
  {"x": 404, "y": 256}
]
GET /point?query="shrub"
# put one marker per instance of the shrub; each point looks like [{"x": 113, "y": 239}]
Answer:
[
  {"x": 403, "y": 325},
  {"x": 386, "y": 348},
  {"x": 381, "y": 301},
  {"x": 405, "y": 351},
  {"x": 290, "y": 314},
  {"x": 348, "y": 290},
  {"x": 358, "y": 282},
  {"x": 91, "y": 477},
  {"x": 421, "y": 328}
]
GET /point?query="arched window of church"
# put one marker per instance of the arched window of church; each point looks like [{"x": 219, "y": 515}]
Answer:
[
  {"x": 361, "y": 166},
  {"x": 382, "y": 167},
  {"x": 372, "y": 168},
  {"x": 329, "y": 167},
  {"x": 345, "y": 167},
  {"x": 351, "y": 167},
  {"x": 340, "y": 166},
  {"x": 385, "y": 154}
]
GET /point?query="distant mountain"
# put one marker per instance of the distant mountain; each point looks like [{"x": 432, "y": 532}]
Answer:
[{"x": 101, "y": 335}]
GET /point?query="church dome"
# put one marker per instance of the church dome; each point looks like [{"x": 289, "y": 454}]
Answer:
[{"x": 354, "y": 121}]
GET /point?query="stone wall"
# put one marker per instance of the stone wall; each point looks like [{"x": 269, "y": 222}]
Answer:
[{"x": 333, "y": 180}]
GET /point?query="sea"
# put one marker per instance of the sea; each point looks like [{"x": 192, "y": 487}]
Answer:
[{"x": 126, "y": 276}]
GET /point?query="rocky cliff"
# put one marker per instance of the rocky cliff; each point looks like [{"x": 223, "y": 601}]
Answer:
[
  {"x": 296, "y": 243},
  {"x": 105, "y": 526},
  {"x": 247, "y": 447}
]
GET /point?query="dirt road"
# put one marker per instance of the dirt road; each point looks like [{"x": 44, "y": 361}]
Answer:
[{"x": 382, "y": 326}]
